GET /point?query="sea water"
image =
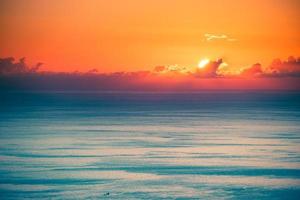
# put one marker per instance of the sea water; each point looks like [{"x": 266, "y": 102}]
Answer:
[{"x": 150, "y": 145}]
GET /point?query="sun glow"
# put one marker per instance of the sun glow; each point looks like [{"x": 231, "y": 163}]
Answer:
[{"x": 203, "y": 63}]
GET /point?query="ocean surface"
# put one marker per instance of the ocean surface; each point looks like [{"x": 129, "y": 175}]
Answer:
[{"x": 135, "y": 145}]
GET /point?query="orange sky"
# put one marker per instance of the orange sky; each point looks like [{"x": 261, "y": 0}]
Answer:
[{"x": 131, "y": 35}]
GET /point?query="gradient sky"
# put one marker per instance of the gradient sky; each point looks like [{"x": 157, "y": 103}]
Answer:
[{"x": 131, "y": 35}]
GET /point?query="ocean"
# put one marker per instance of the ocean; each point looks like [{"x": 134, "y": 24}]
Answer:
[{"x": 150, "y": 145}]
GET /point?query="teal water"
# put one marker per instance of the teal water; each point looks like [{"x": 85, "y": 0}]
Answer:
[{"x": 130, "y": 145}]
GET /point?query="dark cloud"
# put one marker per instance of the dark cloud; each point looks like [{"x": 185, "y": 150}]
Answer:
[
  {"x": 289, "y": 67},
  {"x": 278, "y": 68},
  {"x": 17, "y": 75},
  {"x": 210, "y": 70},
  {"x": 93, "y": 71},
  {"x": 9, "y": 66}
]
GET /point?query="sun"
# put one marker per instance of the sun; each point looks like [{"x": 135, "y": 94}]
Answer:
[{"x": 203, "y": 63}]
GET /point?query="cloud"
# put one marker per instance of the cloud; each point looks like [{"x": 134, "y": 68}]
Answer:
[
  {"x": 9, "y": 66},
  {"x": 210, "y": 70},
  {"x": 93, "y": 71},
  {"x": 289, "y": 67},
  {"x": 278, "y": 68},
  {"x": 17, "y": 75},
  {"x": 213, "y": 37},
  {"x": 171, "y": 70},
  {"x": 254, "y": 70},
  {"x": 159, "y": 69}
]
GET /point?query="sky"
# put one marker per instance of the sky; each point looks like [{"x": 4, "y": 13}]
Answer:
[{"x": 135, "y": 35}]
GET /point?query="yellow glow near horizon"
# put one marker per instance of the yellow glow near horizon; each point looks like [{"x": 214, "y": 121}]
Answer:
[{"x": 203, "y": 63}]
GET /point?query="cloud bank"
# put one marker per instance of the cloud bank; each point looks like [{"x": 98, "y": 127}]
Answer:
[
  {"x": 283, "y": 75},
  {"x": 278, "y": 68}
]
